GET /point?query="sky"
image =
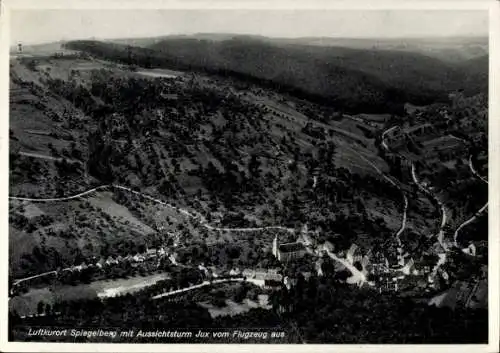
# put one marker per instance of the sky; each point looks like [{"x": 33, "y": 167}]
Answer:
[{"x": 42, "y": 26}]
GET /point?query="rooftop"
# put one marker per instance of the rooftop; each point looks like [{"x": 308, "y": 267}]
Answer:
[{"x": 290, "y": 247}]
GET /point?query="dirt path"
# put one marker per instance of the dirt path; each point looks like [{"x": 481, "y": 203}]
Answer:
[{"x": 50, "y": 158}]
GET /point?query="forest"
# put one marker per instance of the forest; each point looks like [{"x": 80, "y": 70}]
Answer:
[{"x": 352, "y": 79}]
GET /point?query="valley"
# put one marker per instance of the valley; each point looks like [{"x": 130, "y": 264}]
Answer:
[{"x": 171, "y": 175}]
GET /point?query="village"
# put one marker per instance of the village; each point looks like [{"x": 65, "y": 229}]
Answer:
[{"x": 377, "y": 271}]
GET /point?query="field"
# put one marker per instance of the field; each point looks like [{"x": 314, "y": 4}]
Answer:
[
  {"x": 27, "y": 303},
  {"x": 159, "y": 73},
  {"x": 442, "y": 143},
  {"x": 233, "y": 308}
]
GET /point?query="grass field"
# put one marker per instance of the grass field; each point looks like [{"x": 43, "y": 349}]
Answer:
[
  {"x": 159, "y": 73},
  {"x": 26, "y": 304},
  {"x": 233, "y": 308}
]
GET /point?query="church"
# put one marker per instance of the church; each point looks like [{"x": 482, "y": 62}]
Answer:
[{"x": 289, "y": 251}]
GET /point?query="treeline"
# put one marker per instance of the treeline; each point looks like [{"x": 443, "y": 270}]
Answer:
[
  {"x": 320, "y": 310},
  {"x": 326, "y": 312}
]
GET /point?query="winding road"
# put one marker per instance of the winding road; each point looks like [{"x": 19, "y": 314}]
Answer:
[
  {"x": 358, "y": 276},
  {"x": 440, "y": 235},
  {"x": 444, "y": 217},
  {"x": 422, "y": 188},
  {"x": 478, "y": 213},
  {"x": 393, "y": 183},
  {"x": 474, "y": 171},
  {"x": 190, "y": 214}
]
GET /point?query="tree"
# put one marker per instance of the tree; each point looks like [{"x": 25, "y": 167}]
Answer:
[
  {"x": 254, "y": 165},
  {"x": 40, "y": 308}
]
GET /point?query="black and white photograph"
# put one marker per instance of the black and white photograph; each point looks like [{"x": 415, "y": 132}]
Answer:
[{"x": 248, "y": 176}]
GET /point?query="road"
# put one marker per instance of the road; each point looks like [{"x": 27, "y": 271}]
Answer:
[
  {"x": 422, "y": 188},
  {"x": 192, "y": 214},
  {"x": 440, "y": 235},
  {"x": 358, "y": 277},
  {"x": 474, "y": 171},
  {"x": 478, "y": 213},
  {"x": 384, "y": 144},
  {"x": 196, "y": 286},
  {"x": 17, "y": 281},
  {"x": 393, "y": 183},
  {"x": 50, "y": 158},
  {"x": 189, "y": 214},
  {"x": 67, "y": 198},
  {"x": 444, "y": 217}
]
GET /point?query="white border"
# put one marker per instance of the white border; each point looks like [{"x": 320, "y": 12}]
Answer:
[
  {"x": 253, "y": 4},
  {"x": 494, "y": 172}
]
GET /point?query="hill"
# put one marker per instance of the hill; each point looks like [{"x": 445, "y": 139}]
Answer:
[
  {"x": 237, "y": 153},
  {"x": 447, "y": 49},
  {"x": 478, "y": 69},
  {"x": 353, "y": 80}
]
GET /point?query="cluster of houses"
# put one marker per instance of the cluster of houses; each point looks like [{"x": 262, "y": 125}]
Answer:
[
  {"x": 432, "y": 144},
  {"x": 111, "y": 261},
  {"x": 385, "y": 273}
]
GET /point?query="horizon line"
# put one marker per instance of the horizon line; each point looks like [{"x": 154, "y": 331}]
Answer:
[{"x": 410, "y": 37}]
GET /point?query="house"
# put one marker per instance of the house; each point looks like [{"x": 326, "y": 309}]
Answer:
[
  {"x": 328, "y": 246},
  {"x": 409, "y": 267},
  {"x": 203, "y": 269},
  {"x": 248, "y": 273},
  {"x": 272, "y": 284},
  {"x": 445, "y": 275},
  {"x": 169, "y": 96},
  {"x": 304, "y": 238},
  {"x": 100, "y": 263},
  {"x": 470, "y": 250},
  {"x": 110, "y": 261},
  {"x": 213, "y": 271},
  {"x": 138, "y": 258},
  {"x": 365, "y": 261},
  {"x": 288, "y": 251},
  {"x": 427, "y": 264},
  {"x": 388, "y": 283},
  {"x": 289, "y": 282},
  {"x": 379, "y": 268},
  {"x": 150, "y": 253},
  {"x": 234, "y": 272},
  {"x": 273, "y": 277},
  {"x": 306, "y": 275},
  {"x": 260, "y": 273},
  {"x": 318, "y": 267},
  {"x": 420, "y": 130},
  {"x": 351, "y": 253}
]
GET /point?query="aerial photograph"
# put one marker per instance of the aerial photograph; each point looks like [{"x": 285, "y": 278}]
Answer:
[{"x": 248, "y": 176}]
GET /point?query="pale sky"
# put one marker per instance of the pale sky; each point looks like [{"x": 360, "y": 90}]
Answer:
[{"x": 40, "y": 26}]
